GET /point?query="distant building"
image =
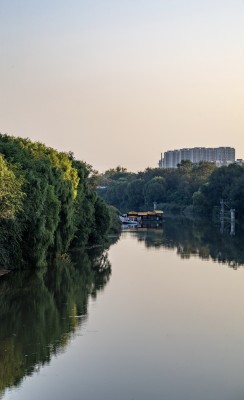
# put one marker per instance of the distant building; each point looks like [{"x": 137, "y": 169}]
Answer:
[
  {"x": 219, "y": 155},
  {"x": 240, "y": 161}
]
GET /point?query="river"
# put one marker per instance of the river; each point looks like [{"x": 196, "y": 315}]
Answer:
[{"x": 163, "y": 318}]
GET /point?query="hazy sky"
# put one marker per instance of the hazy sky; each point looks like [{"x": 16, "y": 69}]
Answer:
[{"x": 119, "y": 82}]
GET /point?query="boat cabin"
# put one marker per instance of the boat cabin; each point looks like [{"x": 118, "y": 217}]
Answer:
[{"x": 155, "y": 215}]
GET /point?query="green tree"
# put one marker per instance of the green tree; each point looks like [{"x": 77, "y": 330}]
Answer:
[
  {"x": 11, "y": 194},
  {"x": 135, "y": 194},
  {"x": 155, "y": 191},
  {"x": 53, "y": 200}
]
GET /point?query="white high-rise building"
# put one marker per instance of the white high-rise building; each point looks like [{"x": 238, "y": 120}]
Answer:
[{"x": 218, "y": 155}]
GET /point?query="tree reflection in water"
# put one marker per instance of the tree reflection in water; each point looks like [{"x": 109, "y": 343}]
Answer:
[
  {"x": 41, "y": 312},
  {"x": 200, "y": 238}
]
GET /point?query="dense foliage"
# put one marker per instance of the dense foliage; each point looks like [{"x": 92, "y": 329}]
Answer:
[
  {"x": 46, "y": 203},
  {"x": 129, "y": 191},
  {"x": 225, "y": 183},
  {"x": 11, "y": 195},
  {"x": 197, "y": 187}
]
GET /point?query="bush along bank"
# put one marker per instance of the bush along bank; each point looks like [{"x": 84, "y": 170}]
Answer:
[
  {"x": 47, "y": 204},
  {"x": 189, "y": 189}
]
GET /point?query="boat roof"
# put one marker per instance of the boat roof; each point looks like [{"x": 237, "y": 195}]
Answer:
[{"x": 145, "y": 212}]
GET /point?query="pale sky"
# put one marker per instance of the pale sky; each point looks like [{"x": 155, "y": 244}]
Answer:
[{"x": 119, "y": 82}]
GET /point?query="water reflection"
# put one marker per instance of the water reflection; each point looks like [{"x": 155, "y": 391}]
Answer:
[
  {"x": 196, "y": 238},
  {"x": 41, "y": 312}
]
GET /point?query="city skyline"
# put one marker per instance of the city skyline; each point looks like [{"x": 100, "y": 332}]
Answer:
[
  {"x": 219, "y": 155},
  {"x": 117, "y": 82}
]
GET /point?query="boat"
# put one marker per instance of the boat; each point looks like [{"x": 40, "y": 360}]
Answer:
[
  {"x": 135, "y": 218},
  {"x": 125, "y": 220}
]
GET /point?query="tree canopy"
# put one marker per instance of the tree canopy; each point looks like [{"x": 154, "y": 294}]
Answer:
[
  {"x": 140, "y": 190},
  {"x": 50, "y": 199}
]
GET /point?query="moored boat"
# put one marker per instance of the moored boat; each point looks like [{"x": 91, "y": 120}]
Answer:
[
  {"x": 134, "y": 217},
  {"x": 124, "y": 219}
]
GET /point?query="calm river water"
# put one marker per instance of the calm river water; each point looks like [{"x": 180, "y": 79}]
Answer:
[{"x": 162, "y": 319}]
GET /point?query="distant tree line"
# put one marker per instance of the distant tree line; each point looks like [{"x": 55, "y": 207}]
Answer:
[
  {"x": 197, "y": 187},
  {"x": 47, "y": 203}
]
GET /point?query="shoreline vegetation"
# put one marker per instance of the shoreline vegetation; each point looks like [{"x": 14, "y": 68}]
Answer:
[
  {"x": 192, "y": 190},
  {"x": 54, "y": 234},
  {"x": 48, "y": 204},
  {"x": 51, "y": 203}
]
